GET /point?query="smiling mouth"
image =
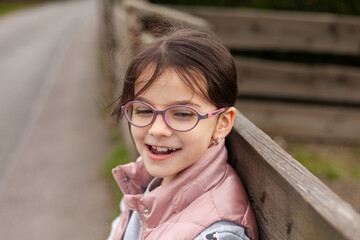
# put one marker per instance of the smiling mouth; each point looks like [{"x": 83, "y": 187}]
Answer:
[{"x": 162, "y": 150}]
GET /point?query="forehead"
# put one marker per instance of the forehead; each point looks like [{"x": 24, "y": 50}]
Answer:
[
  {"x": 169, "y": 87},
  {"x": 167, "y": 80},
  {"x": 192, "y": 79}
]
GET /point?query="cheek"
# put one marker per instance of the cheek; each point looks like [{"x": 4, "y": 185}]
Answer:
[
  {"x": 200, "y": 137},
  {"x": 138, "y": 136},
  {"x": 205, "y": 129},
  {"x": 196, "y": 145}
]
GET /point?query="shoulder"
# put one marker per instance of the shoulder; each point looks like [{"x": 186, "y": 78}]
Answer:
[{"x": 223, "y": 230}]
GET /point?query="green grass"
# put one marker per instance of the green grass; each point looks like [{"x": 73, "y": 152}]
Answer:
[
  {"x": 331, "y": 162},
  {"x": 315, "y": 163},
  {"x": 10, "y": 7},
  {"x": 336, "y": 165},
  {"x": 117, "y": 156},
  {"x": 355, "y": 172}
]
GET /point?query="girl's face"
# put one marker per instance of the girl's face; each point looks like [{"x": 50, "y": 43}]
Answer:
[{"x": 153, "y": 141}]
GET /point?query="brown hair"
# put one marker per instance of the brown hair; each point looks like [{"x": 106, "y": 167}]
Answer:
[{"x": 203, "y": 63}]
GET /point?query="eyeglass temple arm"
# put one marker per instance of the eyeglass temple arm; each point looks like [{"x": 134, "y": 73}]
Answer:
[{"x": 214, "y": 113}]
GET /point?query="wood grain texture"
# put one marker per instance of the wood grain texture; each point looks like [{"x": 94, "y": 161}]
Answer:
[
  {"x": 298, "y": 81},
  {"x": 145, "y": 9},
  {"x": 241, "y": 28},
  {"x": 304, "y": 121},
  {"x": 289, "y": 202}
]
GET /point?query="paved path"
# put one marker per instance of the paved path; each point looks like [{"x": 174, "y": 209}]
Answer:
[{"x": 53, "y": 137}]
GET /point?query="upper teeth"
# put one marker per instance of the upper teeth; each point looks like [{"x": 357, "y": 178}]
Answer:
[{"x": 163, "y": 149}]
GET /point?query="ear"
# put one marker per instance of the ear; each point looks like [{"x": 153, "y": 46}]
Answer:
[{"x": 224, "y": 124}]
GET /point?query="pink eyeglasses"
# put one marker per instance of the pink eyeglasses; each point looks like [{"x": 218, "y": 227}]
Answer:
[{"x": 180, "y": 118}]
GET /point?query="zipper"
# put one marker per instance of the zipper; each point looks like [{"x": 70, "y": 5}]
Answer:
[
  {"x": 127, "y": 223},
  {"x": 141, "y": 228}
]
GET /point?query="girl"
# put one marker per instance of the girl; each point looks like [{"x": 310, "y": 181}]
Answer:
[{"x": 178, "y": 96}]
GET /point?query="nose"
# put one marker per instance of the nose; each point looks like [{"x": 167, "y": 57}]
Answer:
[{"x": 159, "y": 127}]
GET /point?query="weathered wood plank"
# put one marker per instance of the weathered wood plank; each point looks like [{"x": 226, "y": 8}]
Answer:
[
  {"x": 304, "y": 121},
  {"x": 298, "y": 81},
  {"x": 289, "y": 202},
  {"x": 146, "y": 9},
  {"x": 120, "y": 24},
  {"x": 280, "y": 30}
]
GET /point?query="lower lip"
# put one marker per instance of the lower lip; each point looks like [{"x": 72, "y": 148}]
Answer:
[{"x": 156, "y": 157}]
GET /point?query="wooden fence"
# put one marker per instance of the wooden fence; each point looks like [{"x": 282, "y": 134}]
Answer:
[
  {"x": 289, "y": 202},
  {"x": 318, "y": 101}
]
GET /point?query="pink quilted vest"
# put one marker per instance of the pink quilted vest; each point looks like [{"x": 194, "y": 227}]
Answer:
[{"x": 206, "y": 192}]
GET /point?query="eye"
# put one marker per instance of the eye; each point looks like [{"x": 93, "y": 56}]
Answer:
[
  {"x": 181, "y": 113},
  {"x": 142, "y": 111}
]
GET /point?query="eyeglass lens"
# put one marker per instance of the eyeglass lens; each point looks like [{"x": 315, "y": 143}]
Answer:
[{"x": 180, "y": 118}]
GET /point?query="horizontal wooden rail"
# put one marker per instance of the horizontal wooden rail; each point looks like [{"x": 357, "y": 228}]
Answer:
[
  {"x": 145, "y": 9},
  {"x": 280, "y": 30},
  {"x": 289, "y": 202},
  {"x": 326, "y": 83},
  {"x": 304, "y": 121}
]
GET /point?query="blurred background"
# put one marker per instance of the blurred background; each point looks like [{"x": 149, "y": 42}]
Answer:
[
  {"x": 53, "y": 131},
  {"x": 61, "y": 63}
]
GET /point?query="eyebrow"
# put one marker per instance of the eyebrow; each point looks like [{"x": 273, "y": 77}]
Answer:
[{"x": 178, "y": 102}]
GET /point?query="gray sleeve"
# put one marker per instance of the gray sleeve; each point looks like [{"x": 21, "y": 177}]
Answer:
[{"x": 223, "y": 230}]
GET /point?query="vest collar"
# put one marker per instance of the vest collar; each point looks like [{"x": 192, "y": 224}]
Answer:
[{"x": 172, "y": 197}]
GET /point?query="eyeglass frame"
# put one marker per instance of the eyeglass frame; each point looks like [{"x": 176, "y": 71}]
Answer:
[{"x": 162, "y": 112}]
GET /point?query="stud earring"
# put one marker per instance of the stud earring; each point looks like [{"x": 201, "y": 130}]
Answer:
[{"x": 217, "y": 141}]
